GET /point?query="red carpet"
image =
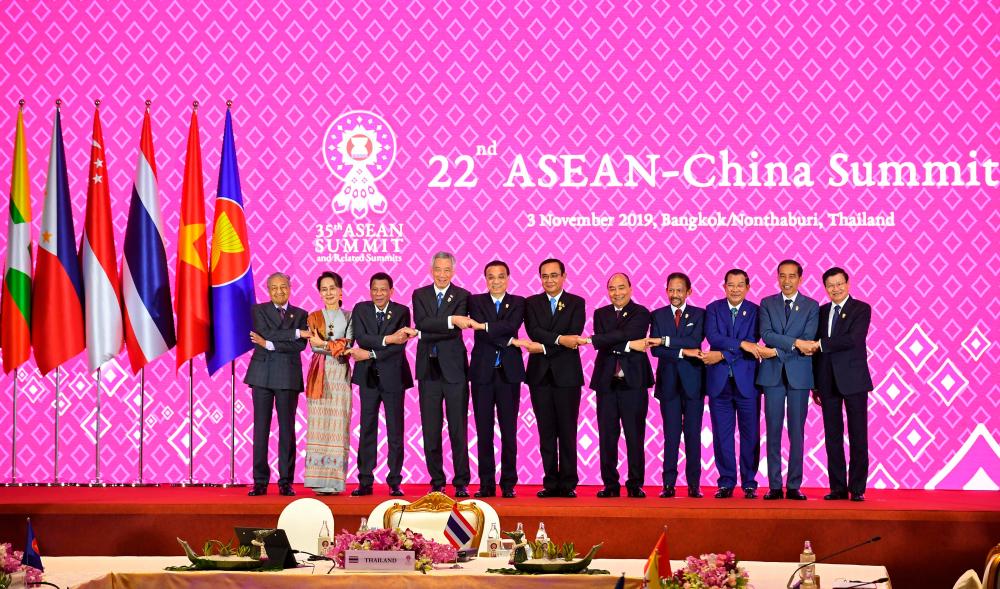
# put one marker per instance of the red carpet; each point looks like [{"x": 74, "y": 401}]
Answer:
[{"x": 928, "y": 537}]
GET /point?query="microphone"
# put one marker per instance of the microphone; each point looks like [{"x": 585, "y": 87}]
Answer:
[
  {"x": 860, "y": 584},
  {"x": 311, "y": 555},
  {"x": 871, "y": 540}
]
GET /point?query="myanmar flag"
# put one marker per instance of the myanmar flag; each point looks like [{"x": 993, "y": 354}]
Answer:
[{"x": 15, "y": 316}]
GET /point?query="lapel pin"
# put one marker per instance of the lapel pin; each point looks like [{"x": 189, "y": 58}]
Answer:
[
  {"x": 843, "y": 315},
  {"x": 796, "y": 307},
  {"x": 506, "y": 305},
  {"x": 685, "y": 315},
  {"x": 744, "y": 313},
  {"x": 625, "y": 314}
]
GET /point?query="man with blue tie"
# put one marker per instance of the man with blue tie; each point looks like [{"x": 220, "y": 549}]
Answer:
[
  {"x": 731, "y": 331},
  {"x": 788, "y": 324},
  {"x": 676, "y": 333}
]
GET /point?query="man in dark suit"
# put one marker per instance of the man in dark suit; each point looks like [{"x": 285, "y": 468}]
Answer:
[
  {"x": 382, "y": 373},
  {"x": 622, "y": 377},
  {"x": 275, "y": 377},
  {"x": 440, "y": 312},
  {"x": 730, "y": 375},
  {"x": 840, "y": 367},
  {"x": 554, "y": 320},
  {"x": 677, "y": 331},
  {"x": 496, "y": 371},
  {"x": 788, "y": 322}
]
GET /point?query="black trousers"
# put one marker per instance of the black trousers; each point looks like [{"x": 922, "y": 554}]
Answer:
[
  {"x": 557, "y": 411},
  {"x": 502, "y": 399},
  {"x": 371, "y": 398},
  {"x": 681, "y": 414},
  {"x": 455, "y": 399},
  {"x": 622, "y": 408},
  {"x": 854, "y": 480},
  {"x": 284, "y": 402}
]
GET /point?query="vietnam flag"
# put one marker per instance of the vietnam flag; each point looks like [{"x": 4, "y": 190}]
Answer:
[
  {"x": 15, "y": 316},
  {"x": 57, "y": 327},
  {"x": 193, "y": 316}
]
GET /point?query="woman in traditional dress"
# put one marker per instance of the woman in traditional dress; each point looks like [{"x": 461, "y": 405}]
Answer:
[{"x": 328, "y": 390}]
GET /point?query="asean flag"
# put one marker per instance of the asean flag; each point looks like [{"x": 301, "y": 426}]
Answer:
[{"x": 232, "y": 297}]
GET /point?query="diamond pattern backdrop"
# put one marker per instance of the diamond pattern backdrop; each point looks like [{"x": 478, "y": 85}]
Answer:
[{"x": 891, "y": 80}]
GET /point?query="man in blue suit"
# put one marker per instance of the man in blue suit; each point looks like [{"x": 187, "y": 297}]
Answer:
[
  {"x": 788, "y": 324},
  {"x": 678, "y": 330},
  {"x": 732, "y": 332}
]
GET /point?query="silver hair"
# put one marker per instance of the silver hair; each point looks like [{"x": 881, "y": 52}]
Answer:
[
  {"x": 443, "y": 256},
  {"x": 274, "y": 275}
]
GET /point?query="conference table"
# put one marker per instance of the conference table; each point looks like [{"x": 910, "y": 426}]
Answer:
[{"x": 123, "y": 572}]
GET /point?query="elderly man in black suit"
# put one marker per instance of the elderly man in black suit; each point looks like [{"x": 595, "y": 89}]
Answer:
[
  {"x": 275, "y": 377},
  {"x": 382, "y": 373},
  {"x": 440, "y": 312}
]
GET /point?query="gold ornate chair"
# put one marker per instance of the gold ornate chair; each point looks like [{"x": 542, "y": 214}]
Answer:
[
  {"x": 991, "y": 574},
  {"x": 429, "y": 514}
]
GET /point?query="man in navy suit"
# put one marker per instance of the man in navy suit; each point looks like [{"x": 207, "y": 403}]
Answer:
[
  {"x": 731, "y": 331},
  {"x": 440, "y": 313},
  {"x": 843, "y": 380},
  {"x": 496, "y": 371},
  {"x": 678, "y": 330},
  {"x": 275, "y": 377},
  {"x": 622, "y": 377},
  {"x": 788, "y": 323}
]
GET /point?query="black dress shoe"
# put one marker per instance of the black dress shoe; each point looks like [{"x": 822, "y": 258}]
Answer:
[
  {"x": 857, "y": 497},
  {"x": 286, "y": 490},
  {"x": 258, "y": 490},
  {"x": 695, "y": 493},
  {"x": 835, "y": 496},
  {"x": 609, "y": 492},
  {"x": 394, "y": 491},
  {"x": 795, "y": 495},
  {"x": 774, "y": 494},
  {"x": 724, "y": 493},
  {"x": 437, "y": 488},
  {"x": 461, "y": 492},
  {"x": 571, "y": 494},
  {"x": 667, "y": 492},
  {"x": 509, "y": 493},
  {"x": 749, "y": 493},
  {"x": 361, "y": 491},
  {"x": 547, "y": 493},
  {"x": 636, "y": 493},
  {"x": 482, "y": 492}
]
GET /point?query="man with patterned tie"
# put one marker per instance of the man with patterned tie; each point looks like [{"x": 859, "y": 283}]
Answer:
[
  {"x": 382, "y": 373},
  {"x": 275, "y": 377},
  {"x": 843, "y": 380},
  {"x": 554, "y": 320},
  {"x": 677, "y": 331},
  {"x": 788, "y": 323},
  {"x": 496, "y": 371},
  {"x": 621, "y": 380},
  {"x": 440, "y": 313},
  {"x": 730, "y": 374}
]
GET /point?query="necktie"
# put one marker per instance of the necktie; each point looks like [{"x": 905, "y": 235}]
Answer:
[
  {"x": 618, "y": 362},
  {"x": 434, "y": 348},
  {"x": 833, "y": 320},
  {"x": 788, "y": 309},
  {"x": 677, "y": 317},
  {"x": 498, "y": 307},
  {"x": 281, "y": 313},
  {"x": 379, "y": 319},
  {"x": 440, "y": 297},
  {"x": 733, "y": 310},
  {"x": 552, "y": 304},
  {"x": 497, "y": 361}
]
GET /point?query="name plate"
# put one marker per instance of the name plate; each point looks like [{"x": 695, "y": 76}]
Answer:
[{"x": 379, "y": 560}]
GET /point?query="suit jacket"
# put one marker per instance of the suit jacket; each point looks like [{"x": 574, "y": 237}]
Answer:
[
  {"x": 390, "y": 361},
  {"x": 781, "y": 335},
  {"x": 669, "y": 366},
  {"x": 281, "y": 368},
  {"x": 432, "y": 322},
  {"x": 844, "y": 359},
  {"x": 543, "y": 327},
  {"x": 611, "y": 333},
  {"x": 502, "y": 328},
  {"x": 723, "y": 336}
]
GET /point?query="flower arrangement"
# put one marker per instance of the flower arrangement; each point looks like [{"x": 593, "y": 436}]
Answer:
[
  {"x": 427, "y": 553},
  {"x": 10, "y": 563},
  {"x": 709, "y": 571}
]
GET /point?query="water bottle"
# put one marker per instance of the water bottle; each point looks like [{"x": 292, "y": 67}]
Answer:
[
  {"x": 493, "y": 540},
  {"x": 808, "y": 573},
  {"x": 524, "y": 538},
  {"x": 364, "y": 525},
  {"x": 323, "y": 540},
  {"x": 541, "y": 536}
]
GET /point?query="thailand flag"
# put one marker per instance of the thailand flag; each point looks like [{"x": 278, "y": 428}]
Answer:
[
  {"x": 458, "y": 530},
  {"x": 149, "y": 320},
  {"x": 57, "y": 327}
]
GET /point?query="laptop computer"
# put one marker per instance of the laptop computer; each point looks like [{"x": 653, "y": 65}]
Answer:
[{"x": 275, "y": 544}]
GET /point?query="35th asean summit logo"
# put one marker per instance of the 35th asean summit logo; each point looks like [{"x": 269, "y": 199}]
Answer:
[{"x": 359, "y": 148}]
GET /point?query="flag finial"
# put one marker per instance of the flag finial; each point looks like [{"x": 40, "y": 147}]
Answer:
[
  {"x": 58, "y": 103},
  {"x": 229, "y": 104},
  {"x": 97, "y": 103},
  {"x": 148, "y": 102},
  {"x": 195, "y": 104},
  {"x": 20, "y": 104}
]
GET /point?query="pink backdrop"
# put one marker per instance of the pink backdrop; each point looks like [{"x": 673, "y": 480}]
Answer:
[{"x": 894, "y": 80}]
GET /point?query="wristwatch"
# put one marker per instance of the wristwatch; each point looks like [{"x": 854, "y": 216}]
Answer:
[{"x": 663, "y": 341}]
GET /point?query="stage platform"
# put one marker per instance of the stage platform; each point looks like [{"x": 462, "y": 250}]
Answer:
[{"x": 928, "y": 537}]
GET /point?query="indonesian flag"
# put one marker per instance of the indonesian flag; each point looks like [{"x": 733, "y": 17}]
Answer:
[
  {"x": 658, "y": 565},
  {"x": 57, "y": 332},
  {"x": 15, "y": 316},
  {"x": 102, "y": 304},
  {"x": 193, "y": 317},
  {"x": 149, "y": 319},
  {"x": 458, "y": 530}
]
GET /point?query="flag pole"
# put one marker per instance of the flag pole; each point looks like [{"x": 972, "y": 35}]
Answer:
[
  {"x": 190, "y": 480},
  {"x": 97, "y": 482},
  {"x": 13, "y": 429},
  {"x": 55, "y": 435},
  {"x": 142, "y": 425}
]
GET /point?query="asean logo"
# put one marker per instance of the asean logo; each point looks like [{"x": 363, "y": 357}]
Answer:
[{"x": 359, "y": 148}]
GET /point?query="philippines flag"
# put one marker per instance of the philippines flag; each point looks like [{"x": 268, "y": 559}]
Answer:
[
  {"x": 57, "y": 297},
  {"x": 103, "y": 309},
  {"x": 149, "y": 321},
  {"x": 458, "y": 530},
  {"x": 232, "y": 276}
]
